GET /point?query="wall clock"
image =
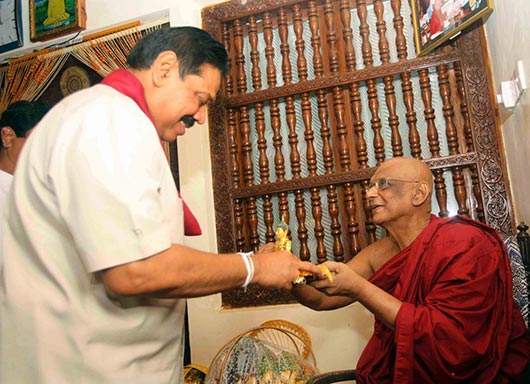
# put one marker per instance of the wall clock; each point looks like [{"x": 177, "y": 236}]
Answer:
[{"x": 10, "y": 25}]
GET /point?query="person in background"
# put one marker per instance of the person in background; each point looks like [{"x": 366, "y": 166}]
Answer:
[
  {"x": 16, "y": 123},
  {"x": 440, "y": 290},
  {"x": 437, "y": 21},
  {"x": 96, "y": 274}
]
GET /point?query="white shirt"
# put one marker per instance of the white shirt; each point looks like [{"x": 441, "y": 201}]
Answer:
[
  {"x": 5, "y": 183},
  {"x": 92, "y": 190}
]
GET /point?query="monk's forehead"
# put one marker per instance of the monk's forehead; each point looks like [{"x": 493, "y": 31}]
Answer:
[{"x": 401, "y": 168}]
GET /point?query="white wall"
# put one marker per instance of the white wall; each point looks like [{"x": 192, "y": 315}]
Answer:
[
  {"x": 509, "y": 41},
  {"x": 338, "y": 336}
]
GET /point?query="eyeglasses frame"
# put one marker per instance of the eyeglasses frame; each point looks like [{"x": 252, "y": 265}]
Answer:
[{"x": 387, "y": 183}]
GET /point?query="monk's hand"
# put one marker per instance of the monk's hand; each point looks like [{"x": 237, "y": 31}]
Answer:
[{"x": 345, "y": 281}]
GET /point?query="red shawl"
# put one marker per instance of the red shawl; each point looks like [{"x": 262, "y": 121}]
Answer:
[
  {"x": 126, "y": 83},
  {"x": 458, "y": 321}
]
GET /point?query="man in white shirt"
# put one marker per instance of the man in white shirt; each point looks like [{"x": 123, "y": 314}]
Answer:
[
  {"x": 16, "y": 123},
  {"x": 95, "y": 271}
]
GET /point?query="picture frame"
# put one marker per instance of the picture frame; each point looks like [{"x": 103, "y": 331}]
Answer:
[
  {"x": 11, "y": 36},
  {"x": 438, "y": 21},
  {"x": 50, "y": 19}
]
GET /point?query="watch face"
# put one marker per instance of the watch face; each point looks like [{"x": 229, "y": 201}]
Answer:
[{"x": 10, "y": 37}]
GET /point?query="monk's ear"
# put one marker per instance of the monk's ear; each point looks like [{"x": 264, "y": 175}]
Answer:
[
  {"x": 8, "y": 136},
  {"x": 164, "y": 66},
  {"x": 421, "y": 194}
]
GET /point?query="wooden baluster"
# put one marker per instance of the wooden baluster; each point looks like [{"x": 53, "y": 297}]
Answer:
[
  {"x": 241, "y": 77},
  {"x": 342, "y": 132},
  {"x": 364, "y": 31},
  {"x": 229, "y": 83},
  {"x": 279, "y": 162},
  {"x": 408, "y": 98},
  {"x": 452, "y": 138},
  {"x": 296, "y": 173},
  {"x": 321, "y": 94},
  {"x": 333, "y": 203},
  {"x": 244, "y": 127},
  {"x": 311, "y": 158},
  {"x": 390, "y": 94},
  {"x": 284, "y": 46},
  {"x": 293, "y": 135},
  {"x": 401, "y": 40},
  {"x": 233, "y": 150},
  {"x": 331, "y": 37},
  {"x": 523, "y": 239},
  {"x": 384, "y": 50},
  {"x": 373, "y": 103},
  {"x": 406, "y": 83},
  {"x": 248, "y": 175},
  {"x": 269, "y": 49},
  {"x": 457, "y": 67},
  {"x": 479, "y": 209},
  {"x": 347, "y": 35},
  {"x": 362, "y": 160},
  {"x": 327, "y": 153},
  {"x": 434, "y": 144},
  {"x": 254, "y": 53},
  {"x": 298, "y": 27},
  {"x": 263, "y": 161},
  {"x": 318, "y": 65},
  {"x": 356, "y": 109}
]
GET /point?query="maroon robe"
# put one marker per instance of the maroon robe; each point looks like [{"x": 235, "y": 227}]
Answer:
[{"x": 458, "y": 321}]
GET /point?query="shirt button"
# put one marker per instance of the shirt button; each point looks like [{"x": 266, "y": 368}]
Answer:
[{"x": 138, "y": 232}]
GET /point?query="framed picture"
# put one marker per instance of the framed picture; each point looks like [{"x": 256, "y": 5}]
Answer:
[
  {"x": 437, "y": 21},
  {"x": 10, "y": 25},
  {"x": 50, "y": 19}
]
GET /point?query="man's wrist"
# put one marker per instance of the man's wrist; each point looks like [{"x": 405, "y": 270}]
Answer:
[{"x": 249, "y": 265}]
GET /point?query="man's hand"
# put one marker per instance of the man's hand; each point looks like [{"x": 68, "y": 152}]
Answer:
[
  {"x": 279, "y": 269},
  {"x": 266, "y": 248}
]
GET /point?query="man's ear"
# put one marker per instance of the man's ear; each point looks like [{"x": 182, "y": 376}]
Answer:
[
  {"x": 164, "y": 66},
  {"x": 8, "y": 136},
  {"x": 421, "y": 194}
]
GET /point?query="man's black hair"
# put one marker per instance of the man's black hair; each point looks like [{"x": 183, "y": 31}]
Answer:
[
  {"x": 23, "y": 115},
  {"x": 193, "y": 47}
]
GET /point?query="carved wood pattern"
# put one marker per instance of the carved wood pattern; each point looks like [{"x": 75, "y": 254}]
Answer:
[
  {"x": 329, "y": 110},
  {"x": 492, "y": 175}
]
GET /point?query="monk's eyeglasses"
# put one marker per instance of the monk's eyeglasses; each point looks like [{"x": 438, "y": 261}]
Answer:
[{"x": 386, "y": 182}]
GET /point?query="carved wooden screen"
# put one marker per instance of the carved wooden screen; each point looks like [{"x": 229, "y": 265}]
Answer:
[{"x": 319, "y": 93}]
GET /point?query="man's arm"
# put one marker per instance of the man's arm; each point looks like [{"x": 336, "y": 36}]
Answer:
[{"x": 185, "y": 272}]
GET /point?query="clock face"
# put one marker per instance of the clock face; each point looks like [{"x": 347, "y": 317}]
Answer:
[{"x": 9, "y": 36}]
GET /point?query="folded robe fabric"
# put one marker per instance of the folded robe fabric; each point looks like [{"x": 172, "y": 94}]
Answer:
[
  {"x": 458, "y": 321},
  {"x": 126, "y": 83}
]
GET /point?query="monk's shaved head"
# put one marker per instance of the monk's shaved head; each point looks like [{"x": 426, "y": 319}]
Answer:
[
  {"x": 406, "y": 168},
  {"x": 404, "y": 198}
]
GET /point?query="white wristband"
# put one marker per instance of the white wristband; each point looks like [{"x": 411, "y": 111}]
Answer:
[{"x": 249, "y": 264}]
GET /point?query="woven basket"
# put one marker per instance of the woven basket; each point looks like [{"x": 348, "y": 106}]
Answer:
[{"x": 277, "y": 351}]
